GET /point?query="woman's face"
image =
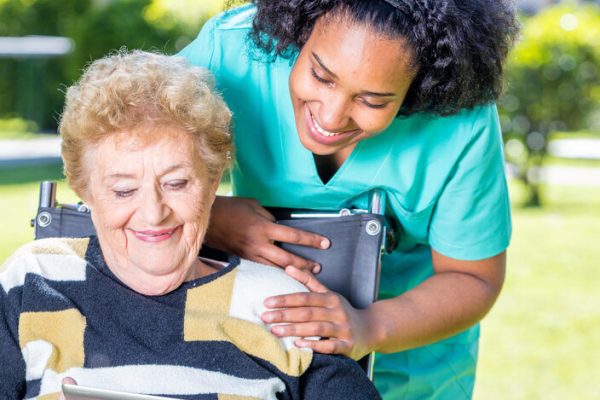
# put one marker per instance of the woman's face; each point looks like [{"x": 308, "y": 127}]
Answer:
[
  {"x": 150, "y": 197},
  {"x": 347, "y": 84}
]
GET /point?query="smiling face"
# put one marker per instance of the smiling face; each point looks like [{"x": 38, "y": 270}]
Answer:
[
  {"x": 347, "y": 84},
  {"x": 150, "y": 196}
]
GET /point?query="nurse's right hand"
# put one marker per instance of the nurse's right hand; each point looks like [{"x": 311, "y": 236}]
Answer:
[{"x": 242, "y": 227}]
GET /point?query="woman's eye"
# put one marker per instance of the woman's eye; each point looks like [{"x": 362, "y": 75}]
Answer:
[
  {"x": 124, "y": 193},
  {"x": 177, "y": 184},
  {"x": 317, "y": 77}
]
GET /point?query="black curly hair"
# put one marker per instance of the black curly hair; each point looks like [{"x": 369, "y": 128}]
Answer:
[{"x": 459, "y": 46}]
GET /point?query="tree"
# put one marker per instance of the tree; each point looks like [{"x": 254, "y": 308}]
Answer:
[
  {"x": 97, "y": 27},
  {"x": 553, "y": 85}
]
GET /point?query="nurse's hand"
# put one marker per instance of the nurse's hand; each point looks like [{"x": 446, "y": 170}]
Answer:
[
  {"x": 323, "y": 313},
  {"x": 242, "y": 227}
]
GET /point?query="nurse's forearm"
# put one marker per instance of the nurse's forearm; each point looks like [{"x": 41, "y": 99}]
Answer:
[{"x": 453, "y": 299}]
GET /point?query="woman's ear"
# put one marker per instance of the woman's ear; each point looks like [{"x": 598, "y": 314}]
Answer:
[
  {"x": 217, "y": 181},
  {"x": 85, "y": 196}
]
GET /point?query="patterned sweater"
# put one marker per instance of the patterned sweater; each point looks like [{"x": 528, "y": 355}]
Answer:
[{"x": 63, "y": 313}]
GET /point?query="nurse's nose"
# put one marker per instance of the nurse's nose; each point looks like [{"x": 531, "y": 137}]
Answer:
[{"x": 334, "y": 113}]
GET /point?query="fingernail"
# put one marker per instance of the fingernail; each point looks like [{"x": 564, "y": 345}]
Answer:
[
  {"x": 267, "y": 317},
  {"x": 316, "y": 269},
  {"x": 269, "y": 302},
  {"x": 325, "y": 243},
  {"x": 300, "y": 343},
  {"x": 278, "y": 330}
]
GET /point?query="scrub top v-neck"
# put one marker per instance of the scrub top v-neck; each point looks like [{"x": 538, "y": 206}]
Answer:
[{"x": 444, "y": 178}]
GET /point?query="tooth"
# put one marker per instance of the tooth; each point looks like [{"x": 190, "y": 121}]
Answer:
[{"x": 323, "y": 131}]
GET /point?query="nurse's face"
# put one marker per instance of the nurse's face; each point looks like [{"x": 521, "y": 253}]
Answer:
[{"x": 347, "y": 84}]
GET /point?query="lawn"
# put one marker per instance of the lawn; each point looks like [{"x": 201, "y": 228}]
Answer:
[{"x": 541, "y": 340}]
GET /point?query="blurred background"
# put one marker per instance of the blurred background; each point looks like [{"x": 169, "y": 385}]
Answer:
[{"x": 542, "y": 338}]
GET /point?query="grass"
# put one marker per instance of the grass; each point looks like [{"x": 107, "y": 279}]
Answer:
[
  {"x": 541, "y": 339},
  {"x": 19, "y": 193}
]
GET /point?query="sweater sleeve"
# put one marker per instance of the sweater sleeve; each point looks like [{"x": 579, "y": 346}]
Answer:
[
  {"x": 12, "y": 365},
  {"x": 336, "y": 377}
]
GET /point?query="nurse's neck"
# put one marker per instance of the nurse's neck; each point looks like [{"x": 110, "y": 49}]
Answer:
[{"x": 327, "y": 165}]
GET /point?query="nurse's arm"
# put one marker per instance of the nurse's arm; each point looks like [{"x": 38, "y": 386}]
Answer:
[{"x": 458, "y": 295}]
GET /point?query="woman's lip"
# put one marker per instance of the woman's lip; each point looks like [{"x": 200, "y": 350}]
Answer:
[
  {"x": 154, "y": 235},
  {"x": 320, "y": 138}
]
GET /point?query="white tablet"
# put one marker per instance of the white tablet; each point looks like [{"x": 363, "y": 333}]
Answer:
[{"x": 78, "y": 392}]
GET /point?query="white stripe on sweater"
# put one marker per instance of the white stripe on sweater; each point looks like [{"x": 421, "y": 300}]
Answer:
[
  {"x": 54, "y": 267},
  {"x": 164, "y": 379}
]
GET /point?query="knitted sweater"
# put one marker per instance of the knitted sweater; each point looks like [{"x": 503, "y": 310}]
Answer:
[{"x": 64, "y": 313}]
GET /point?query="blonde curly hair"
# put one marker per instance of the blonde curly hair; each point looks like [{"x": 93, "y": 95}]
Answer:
[{"x": 127, "y": 90}]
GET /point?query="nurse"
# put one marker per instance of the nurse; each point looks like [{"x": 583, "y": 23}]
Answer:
[{"x": 334, "y": 98}]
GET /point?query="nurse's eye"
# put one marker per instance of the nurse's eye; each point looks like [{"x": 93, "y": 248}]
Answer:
[
  {"x": 376, "y": 106},
  {"x": 176, "y": 184},
  {"x": 318, "y": 78},
  {"x": 124, "y": 193}
]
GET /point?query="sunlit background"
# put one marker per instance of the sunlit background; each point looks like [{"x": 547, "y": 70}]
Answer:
[{"x": 542, "y": 339}]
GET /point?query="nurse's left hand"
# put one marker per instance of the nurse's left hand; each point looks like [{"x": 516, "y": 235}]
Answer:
[{"x": 322, "y": 313}]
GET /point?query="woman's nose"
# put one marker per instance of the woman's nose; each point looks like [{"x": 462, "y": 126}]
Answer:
[{"x": 154, "y": 207}]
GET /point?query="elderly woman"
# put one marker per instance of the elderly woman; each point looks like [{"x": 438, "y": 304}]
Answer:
[{"x": 145, "y": 141}]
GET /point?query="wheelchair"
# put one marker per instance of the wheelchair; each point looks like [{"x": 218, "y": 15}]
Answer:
[{"x": 350, "y": 267}]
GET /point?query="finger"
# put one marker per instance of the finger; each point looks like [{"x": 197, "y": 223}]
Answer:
[
  {"x": 286, "y": 234},
  {"x": 283, "y": 258},
  {"x": 327, "y": 346},
  {"x": 263, "y": 260},
  {"x": 308, "y": 329},
  {"x": 307, "y": 279},
  {"x": 300, "y": 299},
  {"x": 311, "y": 329},
  {"x": 67, "y": 380},
  {"x": 302, "y": 314}
]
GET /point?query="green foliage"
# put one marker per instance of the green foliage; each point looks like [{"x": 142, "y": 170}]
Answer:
[
  {"x": 16, "y": 128},
  {"x": 553, "y": 72},
  {"x": 553, "y": 84},
  {"x": 97, "y": 27}
]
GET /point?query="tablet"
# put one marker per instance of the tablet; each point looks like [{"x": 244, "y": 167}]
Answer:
[{"x": 78, "y": 392}]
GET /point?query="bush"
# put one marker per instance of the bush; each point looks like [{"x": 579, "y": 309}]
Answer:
[{"x": 553, "y": 85}]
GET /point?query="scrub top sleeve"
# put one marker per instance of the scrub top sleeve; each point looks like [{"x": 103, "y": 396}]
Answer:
[
  {"x": 200, "y": 52},
  {"x": 471, "y": 220}
]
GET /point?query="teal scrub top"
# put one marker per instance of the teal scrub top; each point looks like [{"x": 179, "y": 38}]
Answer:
[{"x": 444, "y": 179}]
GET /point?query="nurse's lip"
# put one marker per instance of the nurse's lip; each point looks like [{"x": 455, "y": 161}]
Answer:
[
  {"x": 154, "y": 235},
  {"x": 323, "y": 136}
]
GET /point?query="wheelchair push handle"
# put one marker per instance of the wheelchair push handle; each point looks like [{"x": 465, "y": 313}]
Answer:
[{"x": 47, "y": 194}]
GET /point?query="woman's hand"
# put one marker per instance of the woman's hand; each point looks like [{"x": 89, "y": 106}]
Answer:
[
  {"x": 70, "y": 381},
  {"x": 242, "y": 227},
  {"x": 323, "y": 313}
]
